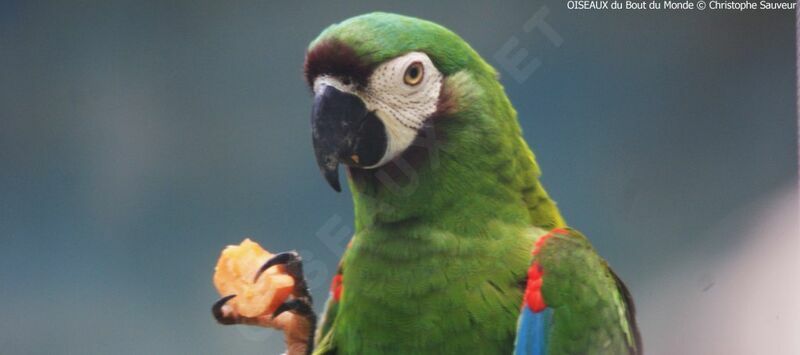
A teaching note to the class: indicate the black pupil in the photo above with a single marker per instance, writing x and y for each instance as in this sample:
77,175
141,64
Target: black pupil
413,72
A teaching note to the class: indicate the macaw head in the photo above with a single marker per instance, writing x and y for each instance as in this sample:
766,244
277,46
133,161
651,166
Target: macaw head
379,79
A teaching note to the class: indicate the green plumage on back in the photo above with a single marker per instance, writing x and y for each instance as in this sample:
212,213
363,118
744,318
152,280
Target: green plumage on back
444,233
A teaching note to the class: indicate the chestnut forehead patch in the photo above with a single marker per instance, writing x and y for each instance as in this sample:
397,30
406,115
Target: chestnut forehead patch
333,57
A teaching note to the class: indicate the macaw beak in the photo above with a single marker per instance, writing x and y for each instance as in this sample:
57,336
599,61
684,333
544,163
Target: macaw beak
344,131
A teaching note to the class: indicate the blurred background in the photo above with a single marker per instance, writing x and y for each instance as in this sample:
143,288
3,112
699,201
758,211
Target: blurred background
137,139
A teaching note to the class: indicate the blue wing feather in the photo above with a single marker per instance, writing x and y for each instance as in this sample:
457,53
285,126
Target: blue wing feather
532,331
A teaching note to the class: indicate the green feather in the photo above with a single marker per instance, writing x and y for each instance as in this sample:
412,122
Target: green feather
442,242
591,314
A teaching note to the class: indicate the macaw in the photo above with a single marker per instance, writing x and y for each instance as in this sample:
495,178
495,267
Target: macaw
458,248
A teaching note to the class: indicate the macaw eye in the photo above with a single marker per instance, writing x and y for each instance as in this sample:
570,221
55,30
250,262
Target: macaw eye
414,74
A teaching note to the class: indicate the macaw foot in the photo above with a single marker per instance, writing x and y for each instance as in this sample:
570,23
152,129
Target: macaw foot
295,317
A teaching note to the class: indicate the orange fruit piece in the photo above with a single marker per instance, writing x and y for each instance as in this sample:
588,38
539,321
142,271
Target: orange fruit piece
234,273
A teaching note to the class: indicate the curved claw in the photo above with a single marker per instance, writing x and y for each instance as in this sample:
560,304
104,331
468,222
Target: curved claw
219,315
277,259
301,308
296,305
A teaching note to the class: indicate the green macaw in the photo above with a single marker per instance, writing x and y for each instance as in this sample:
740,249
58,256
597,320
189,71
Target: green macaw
458,248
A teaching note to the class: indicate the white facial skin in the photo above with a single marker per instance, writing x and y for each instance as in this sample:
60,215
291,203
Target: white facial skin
401,101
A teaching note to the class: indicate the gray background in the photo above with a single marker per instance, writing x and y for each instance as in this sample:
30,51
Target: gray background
139,138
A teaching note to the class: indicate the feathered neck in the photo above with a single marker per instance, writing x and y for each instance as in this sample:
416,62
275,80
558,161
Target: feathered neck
468,165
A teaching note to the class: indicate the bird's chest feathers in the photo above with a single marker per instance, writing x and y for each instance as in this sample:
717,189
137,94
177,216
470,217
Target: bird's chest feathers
423,290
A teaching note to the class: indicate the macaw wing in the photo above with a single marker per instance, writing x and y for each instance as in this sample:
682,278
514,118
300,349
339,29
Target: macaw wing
324,336
574,303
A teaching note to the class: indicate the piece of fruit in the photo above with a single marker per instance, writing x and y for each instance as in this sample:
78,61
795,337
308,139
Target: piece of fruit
234,273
